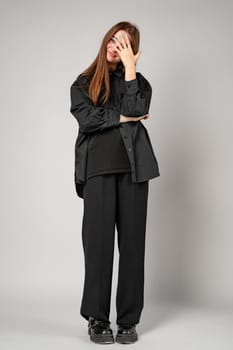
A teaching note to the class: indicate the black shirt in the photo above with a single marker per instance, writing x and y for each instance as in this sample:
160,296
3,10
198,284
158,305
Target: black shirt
133,99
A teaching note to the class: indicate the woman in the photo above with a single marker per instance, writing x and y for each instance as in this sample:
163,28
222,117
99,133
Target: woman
114,161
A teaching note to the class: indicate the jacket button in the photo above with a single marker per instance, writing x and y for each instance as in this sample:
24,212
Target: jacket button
129,149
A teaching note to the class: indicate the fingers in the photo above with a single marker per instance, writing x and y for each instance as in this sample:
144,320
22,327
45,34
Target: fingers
117,45
145,116
125,119
126,38
122,40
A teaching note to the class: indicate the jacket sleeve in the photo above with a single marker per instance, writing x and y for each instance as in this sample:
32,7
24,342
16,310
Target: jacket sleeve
89,117
137,96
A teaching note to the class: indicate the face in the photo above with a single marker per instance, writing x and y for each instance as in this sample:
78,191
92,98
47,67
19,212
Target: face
112,55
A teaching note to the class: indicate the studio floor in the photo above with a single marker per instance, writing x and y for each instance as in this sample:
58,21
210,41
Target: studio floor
40,324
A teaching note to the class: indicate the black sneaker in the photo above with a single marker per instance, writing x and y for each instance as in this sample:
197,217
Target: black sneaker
126,333
100,331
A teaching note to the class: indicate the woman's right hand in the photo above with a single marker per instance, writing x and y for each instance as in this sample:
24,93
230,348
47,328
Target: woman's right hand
125,119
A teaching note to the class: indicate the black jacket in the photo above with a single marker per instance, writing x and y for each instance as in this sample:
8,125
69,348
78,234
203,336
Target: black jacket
130,98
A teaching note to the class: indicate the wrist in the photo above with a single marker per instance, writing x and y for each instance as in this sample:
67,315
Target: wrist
130,72
130,66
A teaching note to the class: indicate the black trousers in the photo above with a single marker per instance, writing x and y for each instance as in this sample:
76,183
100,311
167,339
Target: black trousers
111,199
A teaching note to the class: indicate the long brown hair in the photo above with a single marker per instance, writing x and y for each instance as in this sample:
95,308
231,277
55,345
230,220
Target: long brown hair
98,71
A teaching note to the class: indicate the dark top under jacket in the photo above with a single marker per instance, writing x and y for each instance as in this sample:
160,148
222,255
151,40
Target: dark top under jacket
101,123
106,150
107,154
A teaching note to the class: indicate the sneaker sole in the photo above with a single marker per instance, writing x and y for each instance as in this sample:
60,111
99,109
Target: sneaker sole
126,339
101,339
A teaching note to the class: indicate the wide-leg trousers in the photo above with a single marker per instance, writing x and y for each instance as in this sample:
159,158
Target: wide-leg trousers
109,200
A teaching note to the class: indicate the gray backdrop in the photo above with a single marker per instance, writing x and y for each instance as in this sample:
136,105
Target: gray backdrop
187,57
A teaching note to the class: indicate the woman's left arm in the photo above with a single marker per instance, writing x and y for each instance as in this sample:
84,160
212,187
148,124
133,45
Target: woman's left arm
137,97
